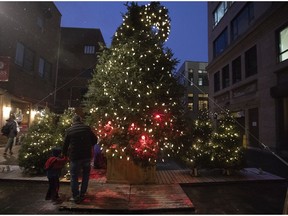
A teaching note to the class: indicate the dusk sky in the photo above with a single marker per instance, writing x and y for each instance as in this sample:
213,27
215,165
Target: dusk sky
188,36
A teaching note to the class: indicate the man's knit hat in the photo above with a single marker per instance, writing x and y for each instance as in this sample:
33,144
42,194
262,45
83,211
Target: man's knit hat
56,151
76,118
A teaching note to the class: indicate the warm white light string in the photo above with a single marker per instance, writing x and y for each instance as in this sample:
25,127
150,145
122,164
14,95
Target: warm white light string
222,109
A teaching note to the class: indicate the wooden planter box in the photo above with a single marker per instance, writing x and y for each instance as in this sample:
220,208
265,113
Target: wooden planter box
126,171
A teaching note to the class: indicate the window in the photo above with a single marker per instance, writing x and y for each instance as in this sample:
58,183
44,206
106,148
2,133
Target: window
89,49
190,101
242,21
203,104
217,81
40,23
41,67
220,43
204,79
283,44
28,60
24,57
19,58
225,77
236,70
203,96
220,11
45,69
190,78
190,106
200,81
251,62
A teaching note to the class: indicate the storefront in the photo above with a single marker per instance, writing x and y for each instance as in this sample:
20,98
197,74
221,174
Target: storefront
10,105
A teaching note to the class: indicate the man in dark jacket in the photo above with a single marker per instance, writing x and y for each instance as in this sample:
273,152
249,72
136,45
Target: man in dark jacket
78,146
11,135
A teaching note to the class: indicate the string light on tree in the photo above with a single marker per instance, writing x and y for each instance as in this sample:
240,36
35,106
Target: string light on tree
141,97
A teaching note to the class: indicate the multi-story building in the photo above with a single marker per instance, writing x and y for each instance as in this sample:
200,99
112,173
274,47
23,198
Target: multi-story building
78,57
29,42
195,79
248,68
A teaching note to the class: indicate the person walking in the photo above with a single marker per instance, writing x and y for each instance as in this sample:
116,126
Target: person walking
78,146
13,130
53,167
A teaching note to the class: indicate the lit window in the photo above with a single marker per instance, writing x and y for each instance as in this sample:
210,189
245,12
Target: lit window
283,44
203,104
89,49
203,95
220,11
200,81
190,106
190,78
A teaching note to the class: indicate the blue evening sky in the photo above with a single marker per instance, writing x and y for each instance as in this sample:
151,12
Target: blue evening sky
188,36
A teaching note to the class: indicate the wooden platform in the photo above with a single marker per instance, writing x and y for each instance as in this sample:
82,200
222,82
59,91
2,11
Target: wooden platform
165,195
184,176
121,198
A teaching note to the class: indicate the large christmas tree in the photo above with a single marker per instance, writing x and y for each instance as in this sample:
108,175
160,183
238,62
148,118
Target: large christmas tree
133,99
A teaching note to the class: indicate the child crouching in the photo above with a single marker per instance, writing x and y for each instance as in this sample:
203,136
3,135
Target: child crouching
53,167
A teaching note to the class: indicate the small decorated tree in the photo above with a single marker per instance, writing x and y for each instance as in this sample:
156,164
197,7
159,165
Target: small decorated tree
227,147
199,153
38,143
46,132
65,121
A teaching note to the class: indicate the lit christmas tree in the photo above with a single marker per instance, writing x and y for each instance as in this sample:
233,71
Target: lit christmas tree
64,122
199,152
133,99
38,143
227,147
46,132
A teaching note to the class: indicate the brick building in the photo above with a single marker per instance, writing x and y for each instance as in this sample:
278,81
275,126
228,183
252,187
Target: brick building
248,68
41,64
29,42
78,57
